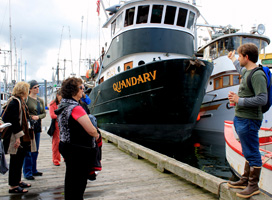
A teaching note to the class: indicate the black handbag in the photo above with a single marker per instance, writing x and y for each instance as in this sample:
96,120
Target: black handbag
38,123
52,128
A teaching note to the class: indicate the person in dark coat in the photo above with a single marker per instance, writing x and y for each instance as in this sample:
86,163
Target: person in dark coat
18,139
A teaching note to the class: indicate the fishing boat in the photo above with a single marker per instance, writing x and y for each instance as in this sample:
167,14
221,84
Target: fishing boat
215,108
236,159
150,85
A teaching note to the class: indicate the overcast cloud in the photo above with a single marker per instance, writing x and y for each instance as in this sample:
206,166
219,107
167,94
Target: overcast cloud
37,28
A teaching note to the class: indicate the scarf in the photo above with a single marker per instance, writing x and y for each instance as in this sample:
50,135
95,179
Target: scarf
64,112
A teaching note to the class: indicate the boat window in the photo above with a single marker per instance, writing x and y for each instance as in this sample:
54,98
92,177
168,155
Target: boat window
263,44
191,20
156,16
182,17
129,16
256,41
170,15
119,22
229,44
113,27
213,51
226,81
236,79
221,47
142,14
217,84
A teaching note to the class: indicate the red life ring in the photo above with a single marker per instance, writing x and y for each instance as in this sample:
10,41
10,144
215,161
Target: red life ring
96,67
89,73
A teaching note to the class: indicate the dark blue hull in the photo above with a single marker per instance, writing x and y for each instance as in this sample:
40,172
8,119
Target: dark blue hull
158,101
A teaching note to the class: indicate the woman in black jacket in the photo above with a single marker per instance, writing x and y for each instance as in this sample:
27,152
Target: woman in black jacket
77,139
18,139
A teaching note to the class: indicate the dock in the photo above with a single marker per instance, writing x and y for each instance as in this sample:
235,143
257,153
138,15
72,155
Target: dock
129,171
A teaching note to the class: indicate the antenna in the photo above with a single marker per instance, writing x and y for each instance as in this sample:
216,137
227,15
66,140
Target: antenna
71,50
80,46
18,67
10,38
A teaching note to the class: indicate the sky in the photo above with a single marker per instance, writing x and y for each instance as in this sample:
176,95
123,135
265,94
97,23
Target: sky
47,32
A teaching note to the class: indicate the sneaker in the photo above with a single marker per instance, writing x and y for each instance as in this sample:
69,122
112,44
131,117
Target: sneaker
38,174
56,164
30,178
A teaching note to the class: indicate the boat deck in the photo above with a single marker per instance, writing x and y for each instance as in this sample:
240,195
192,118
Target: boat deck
123,176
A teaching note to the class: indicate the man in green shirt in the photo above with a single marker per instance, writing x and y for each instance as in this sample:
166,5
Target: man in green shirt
248,117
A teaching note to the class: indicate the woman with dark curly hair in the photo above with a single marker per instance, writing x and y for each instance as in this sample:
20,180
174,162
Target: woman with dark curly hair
77,139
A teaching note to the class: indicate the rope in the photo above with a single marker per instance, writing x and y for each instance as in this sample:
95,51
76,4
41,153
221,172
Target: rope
267,160
219,188
92,107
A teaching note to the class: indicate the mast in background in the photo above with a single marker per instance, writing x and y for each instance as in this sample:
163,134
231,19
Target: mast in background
10,41
80,46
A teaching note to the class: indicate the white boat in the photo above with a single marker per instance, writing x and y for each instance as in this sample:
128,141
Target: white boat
215,107
236,159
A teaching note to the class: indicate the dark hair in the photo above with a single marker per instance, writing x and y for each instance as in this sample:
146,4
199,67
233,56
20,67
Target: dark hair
56,99
69,87
251,50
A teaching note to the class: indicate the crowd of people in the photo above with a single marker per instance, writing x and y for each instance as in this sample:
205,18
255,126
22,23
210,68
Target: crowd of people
74,138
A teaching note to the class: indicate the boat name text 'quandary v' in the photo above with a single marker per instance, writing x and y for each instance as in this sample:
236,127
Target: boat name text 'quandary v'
118,86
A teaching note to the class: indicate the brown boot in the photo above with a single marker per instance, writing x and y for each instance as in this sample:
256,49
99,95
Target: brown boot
252,187
242,183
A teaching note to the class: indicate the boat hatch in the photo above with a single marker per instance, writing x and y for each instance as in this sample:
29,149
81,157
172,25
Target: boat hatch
128,65
101,80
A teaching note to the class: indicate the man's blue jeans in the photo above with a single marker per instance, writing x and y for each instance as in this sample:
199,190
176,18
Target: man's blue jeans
30,162
247,130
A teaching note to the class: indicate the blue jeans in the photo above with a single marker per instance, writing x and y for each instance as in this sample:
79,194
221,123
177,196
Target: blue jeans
30,162
247,130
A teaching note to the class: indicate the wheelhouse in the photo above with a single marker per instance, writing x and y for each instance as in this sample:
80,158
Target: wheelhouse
168,14
224,44
220,47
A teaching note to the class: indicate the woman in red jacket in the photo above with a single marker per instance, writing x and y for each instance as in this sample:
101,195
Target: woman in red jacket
56,138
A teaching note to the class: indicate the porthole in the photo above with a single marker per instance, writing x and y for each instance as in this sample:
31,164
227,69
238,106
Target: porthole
118,68
141,62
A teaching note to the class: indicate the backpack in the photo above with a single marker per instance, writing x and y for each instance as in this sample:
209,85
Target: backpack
268,75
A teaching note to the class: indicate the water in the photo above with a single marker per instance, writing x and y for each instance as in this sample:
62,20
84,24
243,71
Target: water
204,150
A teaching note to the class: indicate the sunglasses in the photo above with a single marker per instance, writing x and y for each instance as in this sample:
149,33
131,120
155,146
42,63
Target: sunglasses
81,87
36,87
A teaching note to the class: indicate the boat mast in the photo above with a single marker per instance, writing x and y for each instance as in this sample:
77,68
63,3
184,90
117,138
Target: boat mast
80,46
10,41
16,66
21,56
72,74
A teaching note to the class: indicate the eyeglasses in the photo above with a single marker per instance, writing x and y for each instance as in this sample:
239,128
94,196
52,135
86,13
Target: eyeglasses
36,87
81,87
